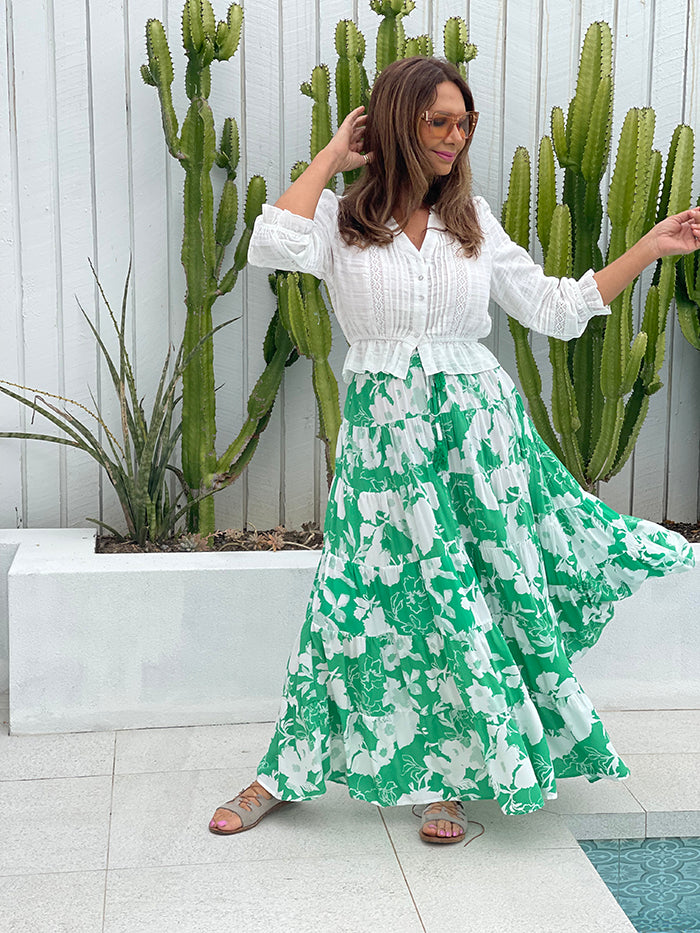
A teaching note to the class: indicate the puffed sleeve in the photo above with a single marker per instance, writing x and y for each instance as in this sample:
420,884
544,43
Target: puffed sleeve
283,240
554,307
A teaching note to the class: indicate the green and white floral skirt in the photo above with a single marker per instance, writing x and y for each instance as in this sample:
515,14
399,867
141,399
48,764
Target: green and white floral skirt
462,569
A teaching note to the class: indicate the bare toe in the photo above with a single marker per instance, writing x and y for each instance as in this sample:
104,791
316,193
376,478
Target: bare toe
225,821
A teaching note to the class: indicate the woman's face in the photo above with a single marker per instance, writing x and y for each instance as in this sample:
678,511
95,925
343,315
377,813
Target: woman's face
444,150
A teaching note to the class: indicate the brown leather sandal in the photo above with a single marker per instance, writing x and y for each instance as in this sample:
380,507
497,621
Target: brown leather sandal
249,817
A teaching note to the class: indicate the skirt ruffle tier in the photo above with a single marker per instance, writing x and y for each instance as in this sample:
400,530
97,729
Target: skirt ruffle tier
463,568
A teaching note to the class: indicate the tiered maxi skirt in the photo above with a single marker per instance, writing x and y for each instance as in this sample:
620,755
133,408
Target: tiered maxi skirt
462,569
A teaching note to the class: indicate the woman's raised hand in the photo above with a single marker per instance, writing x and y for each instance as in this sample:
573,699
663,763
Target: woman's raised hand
677,234
347,143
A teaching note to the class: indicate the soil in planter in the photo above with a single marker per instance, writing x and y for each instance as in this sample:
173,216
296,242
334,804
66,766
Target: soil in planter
310,538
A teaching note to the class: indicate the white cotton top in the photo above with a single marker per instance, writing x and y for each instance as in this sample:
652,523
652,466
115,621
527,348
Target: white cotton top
393,300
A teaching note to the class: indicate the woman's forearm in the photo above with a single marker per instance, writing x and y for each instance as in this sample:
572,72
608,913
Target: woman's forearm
302,196
615,277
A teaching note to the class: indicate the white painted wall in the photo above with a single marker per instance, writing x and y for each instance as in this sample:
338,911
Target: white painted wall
84,172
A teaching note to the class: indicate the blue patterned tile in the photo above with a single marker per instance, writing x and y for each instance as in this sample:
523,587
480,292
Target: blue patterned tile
604,855
655,881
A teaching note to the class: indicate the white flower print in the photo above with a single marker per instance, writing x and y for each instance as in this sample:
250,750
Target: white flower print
432,589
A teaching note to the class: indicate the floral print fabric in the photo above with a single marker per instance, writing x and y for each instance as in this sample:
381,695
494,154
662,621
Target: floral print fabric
462,569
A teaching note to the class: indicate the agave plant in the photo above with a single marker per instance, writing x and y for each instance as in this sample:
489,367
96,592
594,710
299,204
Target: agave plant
138,466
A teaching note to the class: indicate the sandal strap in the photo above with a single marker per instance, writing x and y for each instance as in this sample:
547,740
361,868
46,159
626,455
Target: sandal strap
455,814
247,815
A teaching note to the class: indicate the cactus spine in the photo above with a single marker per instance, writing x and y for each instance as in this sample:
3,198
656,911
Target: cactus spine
206,236
602,380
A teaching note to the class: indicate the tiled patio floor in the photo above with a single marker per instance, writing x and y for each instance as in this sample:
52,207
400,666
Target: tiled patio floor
108,832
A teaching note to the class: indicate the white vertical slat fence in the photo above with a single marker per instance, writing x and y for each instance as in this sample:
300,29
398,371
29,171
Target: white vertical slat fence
84,173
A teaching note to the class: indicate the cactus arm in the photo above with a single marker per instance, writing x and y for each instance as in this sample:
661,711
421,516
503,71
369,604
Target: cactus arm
597,144
229,149
546,192
351,83
228,34
564,412
318,89
688,297
582,372
635,412
595,64
391,36
226,220
559,137
159,73
516,208
326,390
418,45
458,49
260,404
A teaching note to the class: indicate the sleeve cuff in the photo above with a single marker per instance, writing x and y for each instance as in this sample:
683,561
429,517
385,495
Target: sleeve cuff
591,295
280,217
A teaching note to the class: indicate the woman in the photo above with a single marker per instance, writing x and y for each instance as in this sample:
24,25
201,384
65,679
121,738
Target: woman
462,564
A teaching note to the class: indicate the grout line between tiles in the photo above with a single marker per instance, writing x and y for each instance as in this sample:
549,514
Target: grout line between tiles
398,862
109,833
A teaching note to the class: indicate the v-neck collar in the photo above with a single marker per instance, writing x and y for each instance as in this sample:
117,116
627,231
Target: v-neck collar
402,237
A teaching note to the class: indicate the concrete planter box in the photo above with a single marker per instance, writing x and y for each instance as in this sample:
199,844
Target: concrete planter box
121,641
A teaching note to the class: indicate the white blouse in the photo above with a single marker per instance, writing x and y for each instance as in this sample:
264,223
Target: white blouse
391,301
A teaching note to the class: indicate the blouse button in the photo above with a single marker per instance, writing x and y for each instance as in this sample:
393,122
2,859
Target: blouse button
420,278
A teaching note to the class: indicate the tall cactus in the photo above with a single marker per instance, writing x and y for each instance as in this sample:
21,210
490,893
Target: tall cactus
206,236
602,380
458,49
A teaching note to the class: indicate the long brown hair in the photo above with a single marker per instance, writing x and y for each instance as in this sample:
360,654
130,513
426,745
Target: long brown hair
400,168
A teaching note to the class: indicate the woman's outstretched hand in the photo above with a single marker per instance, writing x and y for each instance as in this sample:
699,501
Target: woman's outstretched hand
346,145
677,234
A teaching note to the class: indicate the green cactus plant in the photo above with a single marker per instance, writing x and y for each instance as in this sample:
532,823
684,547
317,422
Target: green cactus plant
206,236
458,48
603,379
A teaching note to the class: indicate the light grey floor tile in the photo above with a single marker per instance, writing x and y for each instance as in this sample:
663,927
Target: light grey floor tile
550,891
283,896
602,810
54,825
79,754
197,748
665,782
72,902
162,819
654,732
673,823
579,795
501,833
